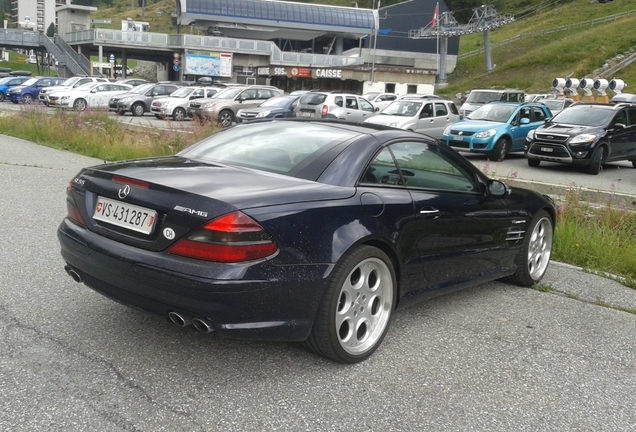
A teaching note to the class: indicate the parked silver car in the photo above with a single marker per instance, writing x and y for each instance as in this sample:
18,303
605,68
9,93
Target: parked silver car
335,105
222,108
176,104
419,115
138,100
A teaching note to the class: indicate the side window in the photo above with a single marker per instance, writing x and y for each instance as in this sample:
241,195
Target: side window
427,111
440,110
539,114
351,102
196,94
102,88
428,167
632,116
338,101
524,113
391,97
453,108
382,170
620,117
366,105
248,95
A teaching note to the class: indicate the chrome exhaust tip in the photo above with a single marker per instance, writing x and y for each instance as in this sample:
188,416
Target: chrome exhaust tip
202,325
182,320
72,273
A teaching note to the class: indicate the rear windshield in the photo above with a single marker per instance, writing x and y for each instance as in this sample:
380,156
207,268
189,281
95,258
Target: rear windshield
282,147
483,96
312,98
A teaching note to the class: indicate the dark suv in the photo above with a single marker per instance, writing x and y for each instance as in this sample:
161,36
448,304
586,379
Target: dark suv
586,134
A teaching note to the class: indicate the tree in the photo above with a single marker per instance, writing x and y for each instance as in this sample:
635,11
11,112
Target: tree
50,32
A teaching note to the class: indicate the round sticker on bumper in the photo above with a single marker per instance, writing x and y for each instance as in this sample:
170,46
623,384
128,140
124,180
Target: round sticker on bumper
168,233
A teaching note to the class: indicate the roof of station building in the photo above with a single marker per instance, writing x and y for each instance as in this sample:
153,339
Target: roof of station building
288,18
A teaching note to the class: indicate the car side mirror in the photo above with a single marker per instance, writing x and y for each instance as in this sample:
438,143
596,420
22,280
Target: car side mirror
94,91
524,121
498,189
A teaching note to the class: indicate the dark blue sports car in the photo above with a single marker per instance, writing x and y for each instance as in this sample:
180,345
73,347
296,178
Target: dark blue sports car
300,231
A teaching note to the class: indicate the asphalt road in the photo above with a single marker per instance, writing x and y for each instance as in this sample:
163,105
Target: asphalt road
492,358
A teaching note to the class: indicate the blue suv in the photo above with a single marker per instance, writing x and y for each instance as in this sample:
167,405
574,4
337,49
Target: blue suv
29,90
8,83
496,129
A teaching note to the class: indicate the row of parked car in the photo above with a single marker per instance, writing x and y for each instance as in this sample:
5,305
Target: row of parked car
547,129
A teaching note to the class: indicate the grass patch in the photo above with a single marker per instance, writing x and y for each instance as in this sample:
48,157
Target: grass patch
596,236
542,287
97,134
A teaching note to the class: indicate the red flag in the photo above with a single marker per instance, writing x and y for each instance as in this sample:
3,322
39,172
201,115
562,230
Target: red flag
434,22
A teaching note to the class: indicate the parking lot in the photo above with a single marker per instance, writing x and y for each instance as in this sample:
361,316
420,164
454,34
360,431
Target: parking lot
495,357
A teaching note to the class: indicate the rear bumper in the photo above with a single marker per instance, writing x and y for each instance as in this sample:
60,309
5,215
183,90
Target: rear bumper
257,300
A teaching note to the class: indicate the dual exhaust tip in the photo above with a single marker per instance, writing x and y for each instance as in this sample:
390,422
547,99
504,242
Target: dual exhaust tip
183,320
180,319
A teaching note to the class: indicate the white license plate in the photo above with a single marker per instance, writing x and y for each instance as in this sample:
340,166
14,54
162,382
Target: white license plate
458,138
547,149
125,215
306,114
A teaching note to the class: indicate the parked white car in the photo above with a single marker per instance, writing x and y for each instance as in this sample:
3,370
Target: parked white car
176,104
92,95
70,83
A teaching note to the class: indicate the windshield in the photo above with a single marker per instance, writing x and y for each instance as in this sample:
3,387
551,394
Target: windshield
69,82
86,86
493,112
141,89
402,108
584,116
278,147
279,101
30,82
483,96
554,104
183,92
5,80
229,93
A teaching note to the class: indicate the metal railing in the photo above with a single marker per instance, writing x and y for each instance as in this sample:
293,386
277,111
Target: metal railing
195,42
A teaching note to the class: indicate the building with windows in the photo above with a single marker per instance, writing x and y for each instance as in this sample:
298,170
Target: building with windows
34,14
329,47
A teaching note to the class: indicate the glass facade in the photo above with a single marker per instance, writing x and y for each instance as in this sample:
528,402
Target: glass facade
283,11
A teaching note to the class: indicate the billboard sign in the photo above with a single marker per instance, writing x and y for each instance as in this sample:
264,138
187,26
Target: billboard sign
208,64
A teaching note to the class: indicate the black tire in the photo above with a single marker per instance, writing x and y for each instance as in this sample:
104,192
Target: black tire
501,149
179,114
357,307
534,257
634,163
79,105
27,99
1,96
120,112
226,118
138,109
596,161
534,162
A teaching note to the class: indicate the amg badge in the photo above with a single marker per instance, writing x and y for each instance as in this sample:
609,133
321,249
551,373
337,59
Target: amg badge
191,211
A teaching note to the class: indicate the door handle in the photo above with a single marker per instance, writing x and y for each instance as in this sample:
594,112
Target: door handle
429,211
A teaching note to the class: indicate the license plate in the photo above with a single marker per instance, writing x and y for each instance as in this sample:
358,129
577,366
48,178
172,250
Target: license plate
547,149
306,114
458,138
125,215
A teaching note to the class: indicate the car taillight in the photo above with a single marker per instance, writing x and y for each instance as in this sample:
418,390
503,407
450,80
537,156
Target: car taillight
233,237
71,208
325,110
